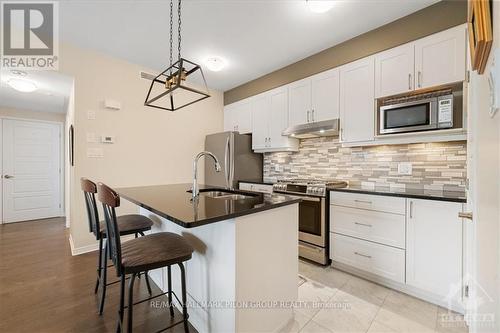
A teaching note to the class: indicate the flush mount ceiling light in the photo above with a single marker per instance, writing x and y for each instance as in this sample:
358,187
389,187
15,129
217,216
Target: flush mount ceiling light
173,88
22,85
320,6
215,64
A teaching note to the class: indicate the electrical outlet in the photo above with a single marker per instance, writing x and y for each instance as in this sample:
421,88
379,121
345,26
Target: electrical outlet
405,168
278,168
91,115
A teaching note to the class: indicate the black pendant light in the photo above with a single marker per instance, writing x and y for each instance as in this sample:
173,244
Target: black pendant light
181,84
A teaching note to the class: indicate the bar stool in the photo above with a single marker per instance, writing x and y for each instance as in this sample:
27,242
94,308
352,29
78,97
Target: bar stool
142,254
133,224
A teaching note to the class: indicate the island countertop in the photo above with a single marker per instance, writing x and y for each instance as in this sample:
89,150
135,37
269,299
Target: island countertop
174,203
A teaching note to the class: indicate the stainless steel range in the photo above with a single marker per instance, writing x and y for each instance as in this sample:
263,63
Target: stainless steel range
312,215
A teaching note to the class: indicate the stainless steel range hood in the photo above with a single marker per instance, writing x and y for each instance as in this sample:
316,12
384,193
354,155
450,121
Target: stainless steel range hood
314,130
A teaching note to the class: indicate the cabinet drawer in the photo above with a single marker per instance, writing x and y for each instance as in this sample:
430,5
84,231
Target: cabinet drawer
385,228
372,202
384,261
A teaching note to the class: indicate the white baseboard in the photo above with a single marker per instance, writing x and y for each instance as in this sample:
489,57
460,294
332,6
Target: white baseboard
83,249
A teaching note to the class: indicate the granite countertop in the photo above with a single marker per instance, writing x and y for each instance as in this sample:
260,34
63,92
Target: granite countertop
174,203
453,196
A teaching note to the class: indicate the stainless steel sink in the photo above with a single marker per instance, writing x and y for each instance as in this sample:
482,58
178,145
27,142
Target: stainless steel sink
226,195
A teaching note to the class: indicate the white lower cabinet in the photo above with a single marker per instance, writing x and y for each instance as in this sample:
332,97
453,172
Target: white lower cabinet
434,247
384,261
380,227
414,242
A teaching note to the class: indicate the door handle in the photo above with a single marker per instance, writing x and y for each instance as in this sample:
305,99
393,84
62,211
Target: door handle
465,215
419,78
409,81
362,255
226,162
8,176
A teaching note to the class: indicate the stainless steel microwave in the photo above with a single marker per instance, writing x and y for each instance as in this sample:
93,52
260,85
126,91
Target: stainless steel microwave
429,111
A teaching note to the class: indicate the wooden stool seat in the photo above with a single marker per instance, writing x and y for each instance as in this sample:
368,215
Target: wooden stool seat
154,251
129,224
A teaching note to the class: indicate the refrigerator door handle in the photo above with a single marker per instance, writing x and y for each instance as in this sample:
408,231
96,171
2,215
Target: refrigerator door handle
226,162
231,165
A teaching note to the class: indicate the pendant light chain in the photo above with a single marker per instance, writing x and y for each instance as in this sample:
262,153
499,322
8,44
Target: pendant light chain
179,29
171,33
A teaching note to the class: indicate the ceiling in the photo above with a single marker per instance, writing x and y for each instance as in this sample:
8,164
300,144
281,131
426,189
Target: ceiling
255,37
52,94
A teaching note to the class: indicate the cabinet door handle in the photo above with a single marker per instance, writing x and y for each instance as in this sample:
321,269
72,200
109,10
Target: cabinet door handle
409,81
362,255
464,215
8,176
363,224
419,79
411,209
363,201
308,115
312,115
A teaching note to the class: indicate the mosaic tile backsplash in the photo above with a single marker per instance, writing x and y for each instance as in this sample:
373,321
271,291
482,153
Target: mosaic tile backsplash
436,166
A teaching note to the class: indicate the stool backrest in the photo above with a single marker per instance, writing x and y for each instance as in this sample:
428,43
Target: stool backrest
89,189
110,200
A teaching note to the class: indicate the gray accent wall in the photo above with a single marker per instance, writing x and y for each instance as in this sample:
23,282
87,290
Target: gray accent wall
436,166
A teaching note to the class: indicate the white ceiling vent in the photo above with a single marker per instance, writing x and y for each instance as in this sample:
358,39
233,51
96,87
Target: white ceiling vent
147,76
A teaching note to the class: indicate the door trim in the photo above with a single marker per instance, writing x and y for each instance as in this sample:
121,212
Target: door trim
62,160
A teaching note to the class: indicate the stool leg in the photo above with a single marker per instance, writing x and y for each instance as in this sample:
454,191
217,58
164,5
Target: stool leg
103,280
130,303
147,283
122,304
170,305
184,298
99,261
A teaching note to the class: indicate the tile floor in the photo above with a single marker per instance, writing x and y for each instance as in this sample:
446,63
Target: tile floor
351,304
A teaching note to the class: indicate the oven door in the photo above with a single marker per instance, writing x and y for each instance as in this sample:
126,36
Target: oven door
412,116
312,224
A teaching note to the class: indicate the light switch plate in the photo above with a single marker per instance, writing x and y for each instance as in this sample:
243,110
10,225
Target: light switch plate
107,139
405,168
91,115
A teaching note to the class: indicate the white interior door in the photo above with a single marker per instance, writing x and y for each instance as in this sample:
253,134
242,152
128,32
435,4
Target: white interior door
31,170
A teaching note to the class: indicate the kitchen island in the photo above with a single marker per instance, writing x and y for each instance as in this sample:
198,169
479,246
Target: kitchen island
243,274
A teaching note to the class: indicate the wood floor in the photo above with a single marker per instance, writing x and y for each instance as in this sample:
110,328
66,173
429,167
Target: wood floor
45,289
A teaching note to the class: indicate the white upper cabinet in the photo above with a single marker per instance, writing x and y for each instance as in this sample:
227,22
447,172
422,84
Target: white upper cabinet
434,247
260,121
440,58
270,119
299,102
394,71
325,95
314,99
238,117
357,100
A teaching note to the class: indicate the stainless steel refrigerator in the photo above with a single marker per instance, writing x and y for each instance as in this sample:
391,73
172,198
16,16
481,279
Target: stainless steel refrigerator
238,161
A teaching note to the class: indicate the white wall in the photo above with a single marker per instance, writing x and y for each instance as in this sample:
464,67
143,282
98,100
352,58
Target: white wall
152,146
486,187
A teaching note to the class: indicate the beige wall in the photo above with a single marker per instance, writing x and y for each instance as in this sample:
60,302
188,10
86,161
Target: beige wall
152,146
438,17
32,115
485,188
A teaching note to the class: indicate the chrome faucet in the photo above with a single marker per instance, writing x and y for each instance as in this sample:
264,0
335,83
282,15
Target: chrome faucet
195,189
